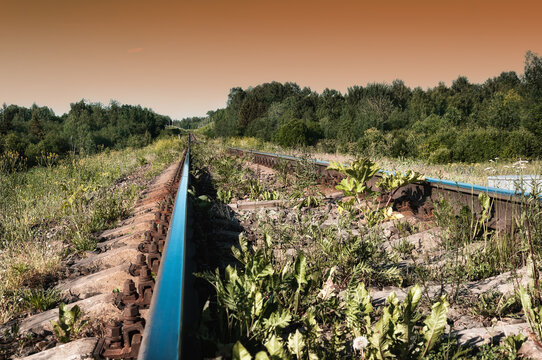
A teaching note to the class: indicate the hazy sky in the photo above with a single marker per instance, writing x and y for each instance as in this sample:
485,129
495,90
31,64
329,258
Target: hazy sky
180,58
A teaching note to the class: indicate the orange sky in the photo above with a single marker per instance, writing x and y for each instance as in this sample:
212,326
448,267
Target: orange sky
181,57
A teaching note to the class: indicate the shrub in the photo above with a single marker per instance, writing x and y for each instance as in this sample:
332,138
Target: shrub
293,133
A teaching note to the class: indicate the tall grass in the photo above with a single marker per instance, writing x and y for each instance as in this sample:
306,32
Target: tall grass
49,212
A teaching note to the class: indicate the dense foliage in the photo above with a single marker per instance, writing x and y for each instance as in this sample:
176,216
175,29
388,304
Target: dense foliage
464,122
192,122
31,133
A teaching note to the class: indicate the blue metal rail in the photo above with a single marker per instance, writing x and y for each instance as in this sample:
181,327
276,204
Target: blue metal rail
163,332
432,181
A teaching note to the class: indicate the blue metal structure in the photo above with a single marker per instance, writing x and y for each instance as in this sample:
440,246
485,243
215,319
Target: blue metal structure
432,181
163,332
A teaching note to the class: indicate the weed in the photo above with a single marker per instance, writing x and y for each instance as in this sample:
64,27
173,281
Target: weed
495,304
270,195
69,323
224,196
40,299
391,182
506,350
356,184
12,161
256,189
282,169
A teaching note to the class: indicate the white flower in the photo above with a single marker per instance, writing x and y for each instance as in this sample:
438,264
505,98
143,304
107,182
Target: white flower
360,343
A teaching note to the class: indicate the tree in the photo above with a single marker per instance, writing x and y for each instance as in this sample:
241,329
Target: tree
533,74
35,126
5,121
293,133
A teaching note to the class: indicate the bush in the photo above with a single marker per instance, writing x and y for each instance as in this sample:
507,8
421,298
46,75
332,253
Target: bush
293,133
440,156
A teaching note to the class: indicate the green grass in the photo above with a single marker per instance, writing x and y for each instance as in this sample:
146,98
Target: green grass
47,213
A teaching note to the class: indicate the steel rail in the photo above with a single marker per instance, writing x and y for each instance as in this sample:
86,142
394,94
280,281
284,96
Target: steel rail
162,338
507,204
461,185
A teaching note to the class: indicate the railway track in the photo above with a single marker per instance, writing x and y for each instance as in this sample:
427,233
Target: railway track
165,249
154,307
506,204
159,268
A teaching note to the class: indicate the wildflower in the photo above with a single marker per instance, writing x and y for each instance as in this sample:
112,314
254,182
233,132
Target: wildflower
360,343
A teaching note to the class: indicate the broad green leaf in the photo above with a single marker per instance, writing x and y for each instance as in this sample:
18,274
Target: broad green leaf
274,347
435,324
268,240
240,353
527,308
380,336
412,300
296,344
301,270
278,320
262,355
484,200
258,304
231,274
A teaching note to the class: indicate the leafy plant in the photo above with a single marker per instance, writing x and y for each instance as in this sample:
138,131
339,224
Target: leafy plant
201,201
309,201
356,184
358,174
493,303
243,294
270,195
256,189
282,168
391,182
480,225
224,196
69,323
399,332
506,350
533,314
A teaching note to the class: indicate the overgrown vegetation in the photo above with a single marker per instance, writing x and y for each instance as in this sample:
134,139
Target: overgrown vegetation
308,282
36,136
462,123
53,212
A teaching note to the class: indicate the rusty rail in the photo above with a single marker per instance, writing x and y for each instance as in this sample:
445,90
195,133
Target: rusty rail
161,253
506,204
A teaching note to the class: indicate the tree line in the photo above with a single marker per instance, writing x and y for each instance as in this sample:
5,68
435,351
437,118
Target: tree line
465,122
85,129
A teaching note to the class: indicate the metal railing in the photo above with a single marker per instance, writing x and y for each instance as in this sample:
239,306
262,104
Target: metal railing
506,204
460,185
162,338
